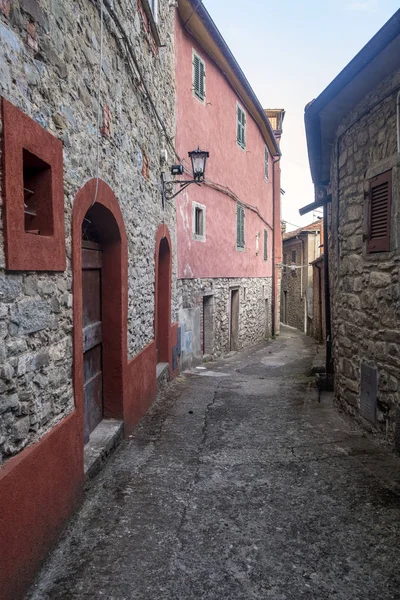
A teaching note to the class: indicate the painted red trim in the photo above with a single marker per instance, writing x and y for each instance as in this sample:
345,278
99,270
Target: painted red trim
26,251
163,286
142,386
39,490
108,220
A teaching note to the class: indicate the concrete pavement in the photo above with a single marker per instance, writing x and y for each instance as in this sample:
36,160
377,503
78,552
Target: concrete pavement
238,484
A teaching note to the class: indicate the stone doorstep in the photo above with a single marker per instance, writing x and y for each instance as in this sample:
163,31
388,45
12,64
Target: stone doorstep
162,373
103,441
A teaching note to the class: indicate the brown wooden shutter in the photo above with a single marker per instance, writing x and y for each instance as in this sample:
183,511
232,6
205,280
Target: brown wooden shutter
380,199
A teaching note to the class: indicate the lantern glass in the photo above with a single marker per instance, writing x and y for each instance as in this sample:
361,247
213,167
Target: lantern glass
198,158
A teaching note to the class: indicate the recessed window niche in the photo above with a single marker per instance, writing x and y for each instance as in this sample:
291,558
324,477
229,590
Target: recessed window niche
33,194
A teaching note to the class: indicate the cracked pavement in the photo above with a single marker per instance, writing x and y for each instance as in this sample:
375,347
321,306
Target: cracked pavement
238,484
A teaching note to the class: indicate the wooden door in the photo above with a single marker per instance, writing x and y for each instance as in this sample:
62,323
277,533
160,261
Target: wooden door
234,320
92,336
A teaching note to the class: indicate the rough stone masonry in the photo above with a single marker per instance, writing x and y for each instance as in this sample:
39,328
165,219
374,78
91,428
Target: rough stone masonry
49,62
365,287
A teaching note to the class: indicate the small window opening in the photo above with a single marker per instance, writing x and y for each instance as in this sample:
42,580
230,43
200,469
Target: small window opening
198,220
37,195
293,256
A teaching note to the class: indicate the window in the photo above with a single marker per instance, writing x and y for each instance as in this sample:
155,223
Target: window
266,160
293,256
380,199
33,194
199,222
239,226
284,262
199,74
241,127
265,244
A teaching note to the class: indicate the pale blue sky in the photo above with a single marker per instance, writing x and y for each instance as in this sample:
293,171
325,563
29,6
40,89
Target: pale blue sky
289,52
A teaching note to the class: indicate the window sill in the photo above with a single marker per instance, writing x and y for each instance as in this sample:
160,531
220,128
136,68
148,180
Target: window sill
152,22
199,238
240,248
240,146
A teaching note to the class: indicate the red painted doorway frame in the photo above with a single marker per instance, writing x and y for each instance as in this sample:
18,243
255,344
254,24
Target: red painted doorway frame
108,220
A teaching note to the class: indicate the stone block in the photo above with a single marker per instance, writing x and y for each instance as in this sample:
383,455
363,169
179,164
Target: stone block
31,315
8,402
379,279
10,287
34,10
21,429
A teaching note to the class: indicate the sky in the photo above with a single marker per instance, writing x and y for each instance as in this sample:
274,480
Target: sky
290,51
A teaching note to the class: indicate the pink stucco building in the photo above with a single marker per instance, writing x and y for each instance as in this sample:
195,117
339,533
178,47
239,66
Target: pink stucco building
228,229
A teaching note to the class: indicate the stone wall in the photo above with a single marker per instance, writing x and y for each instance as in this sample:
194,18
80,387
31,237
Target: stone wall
365,289
292,288
49,58
253,327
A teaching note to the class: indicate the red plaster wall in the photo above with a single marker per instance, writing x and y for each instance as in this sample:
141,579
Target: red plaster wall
213,128
39,490
142,386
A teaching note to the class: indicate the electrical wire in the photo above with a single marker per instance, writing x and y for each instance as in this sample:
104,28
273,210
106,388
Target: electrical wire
99,104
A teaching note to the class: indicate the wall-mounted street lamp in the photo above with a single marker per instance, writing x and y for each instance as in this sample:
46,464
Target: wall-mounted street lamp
199,160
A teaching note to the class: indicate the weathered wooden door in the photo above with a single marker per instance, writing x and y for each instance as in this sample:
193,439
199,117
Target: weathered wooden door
234,320
92,336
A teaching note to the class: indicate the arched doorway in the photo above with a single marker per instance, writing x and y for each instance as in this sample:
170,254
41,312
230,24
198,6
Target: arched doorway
163,294
99,257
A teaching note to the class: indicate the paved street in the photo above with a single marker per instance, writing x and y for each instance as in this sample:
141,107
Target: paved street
239,484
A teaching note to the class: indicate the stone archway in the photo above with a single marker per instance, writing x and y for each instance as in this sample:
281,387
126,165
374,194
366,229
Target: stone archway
106,220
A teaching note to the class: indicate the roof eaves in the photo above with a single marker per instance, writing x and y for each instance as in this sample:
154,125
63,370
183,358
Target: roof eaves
381,39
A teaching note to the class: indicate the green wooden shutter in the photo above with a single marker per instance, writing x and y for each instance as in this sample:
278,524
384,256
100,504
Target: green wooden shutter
196,75
242,227
238,119
265,244
201,80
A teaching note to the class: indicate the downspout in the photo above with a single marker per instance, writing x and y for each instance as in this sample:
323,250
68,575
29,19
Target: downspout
398,120
320,336
275,160
328,333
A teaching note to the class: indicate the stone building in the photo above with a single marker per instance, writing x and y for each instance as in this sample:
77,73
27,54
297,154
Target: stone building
228,230
353,136
88,298
299,249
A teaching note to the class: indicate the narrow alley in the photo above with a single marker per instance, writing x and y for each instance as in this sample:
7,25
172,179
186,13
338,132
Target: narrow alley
237,484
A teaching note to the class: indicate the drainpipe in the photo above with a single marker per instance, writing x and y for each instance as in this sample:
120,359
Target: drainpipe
320,336
398,120
276,231
329,365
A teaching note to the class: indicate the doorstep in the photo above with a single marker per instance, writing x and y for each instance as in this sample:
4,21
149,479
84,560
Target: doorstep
162,374
103,441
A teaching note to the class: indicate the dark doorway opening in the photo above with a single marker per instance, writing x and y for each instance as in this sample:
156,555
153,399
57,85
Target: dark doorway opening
234,321
266,319
208,326
163,293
